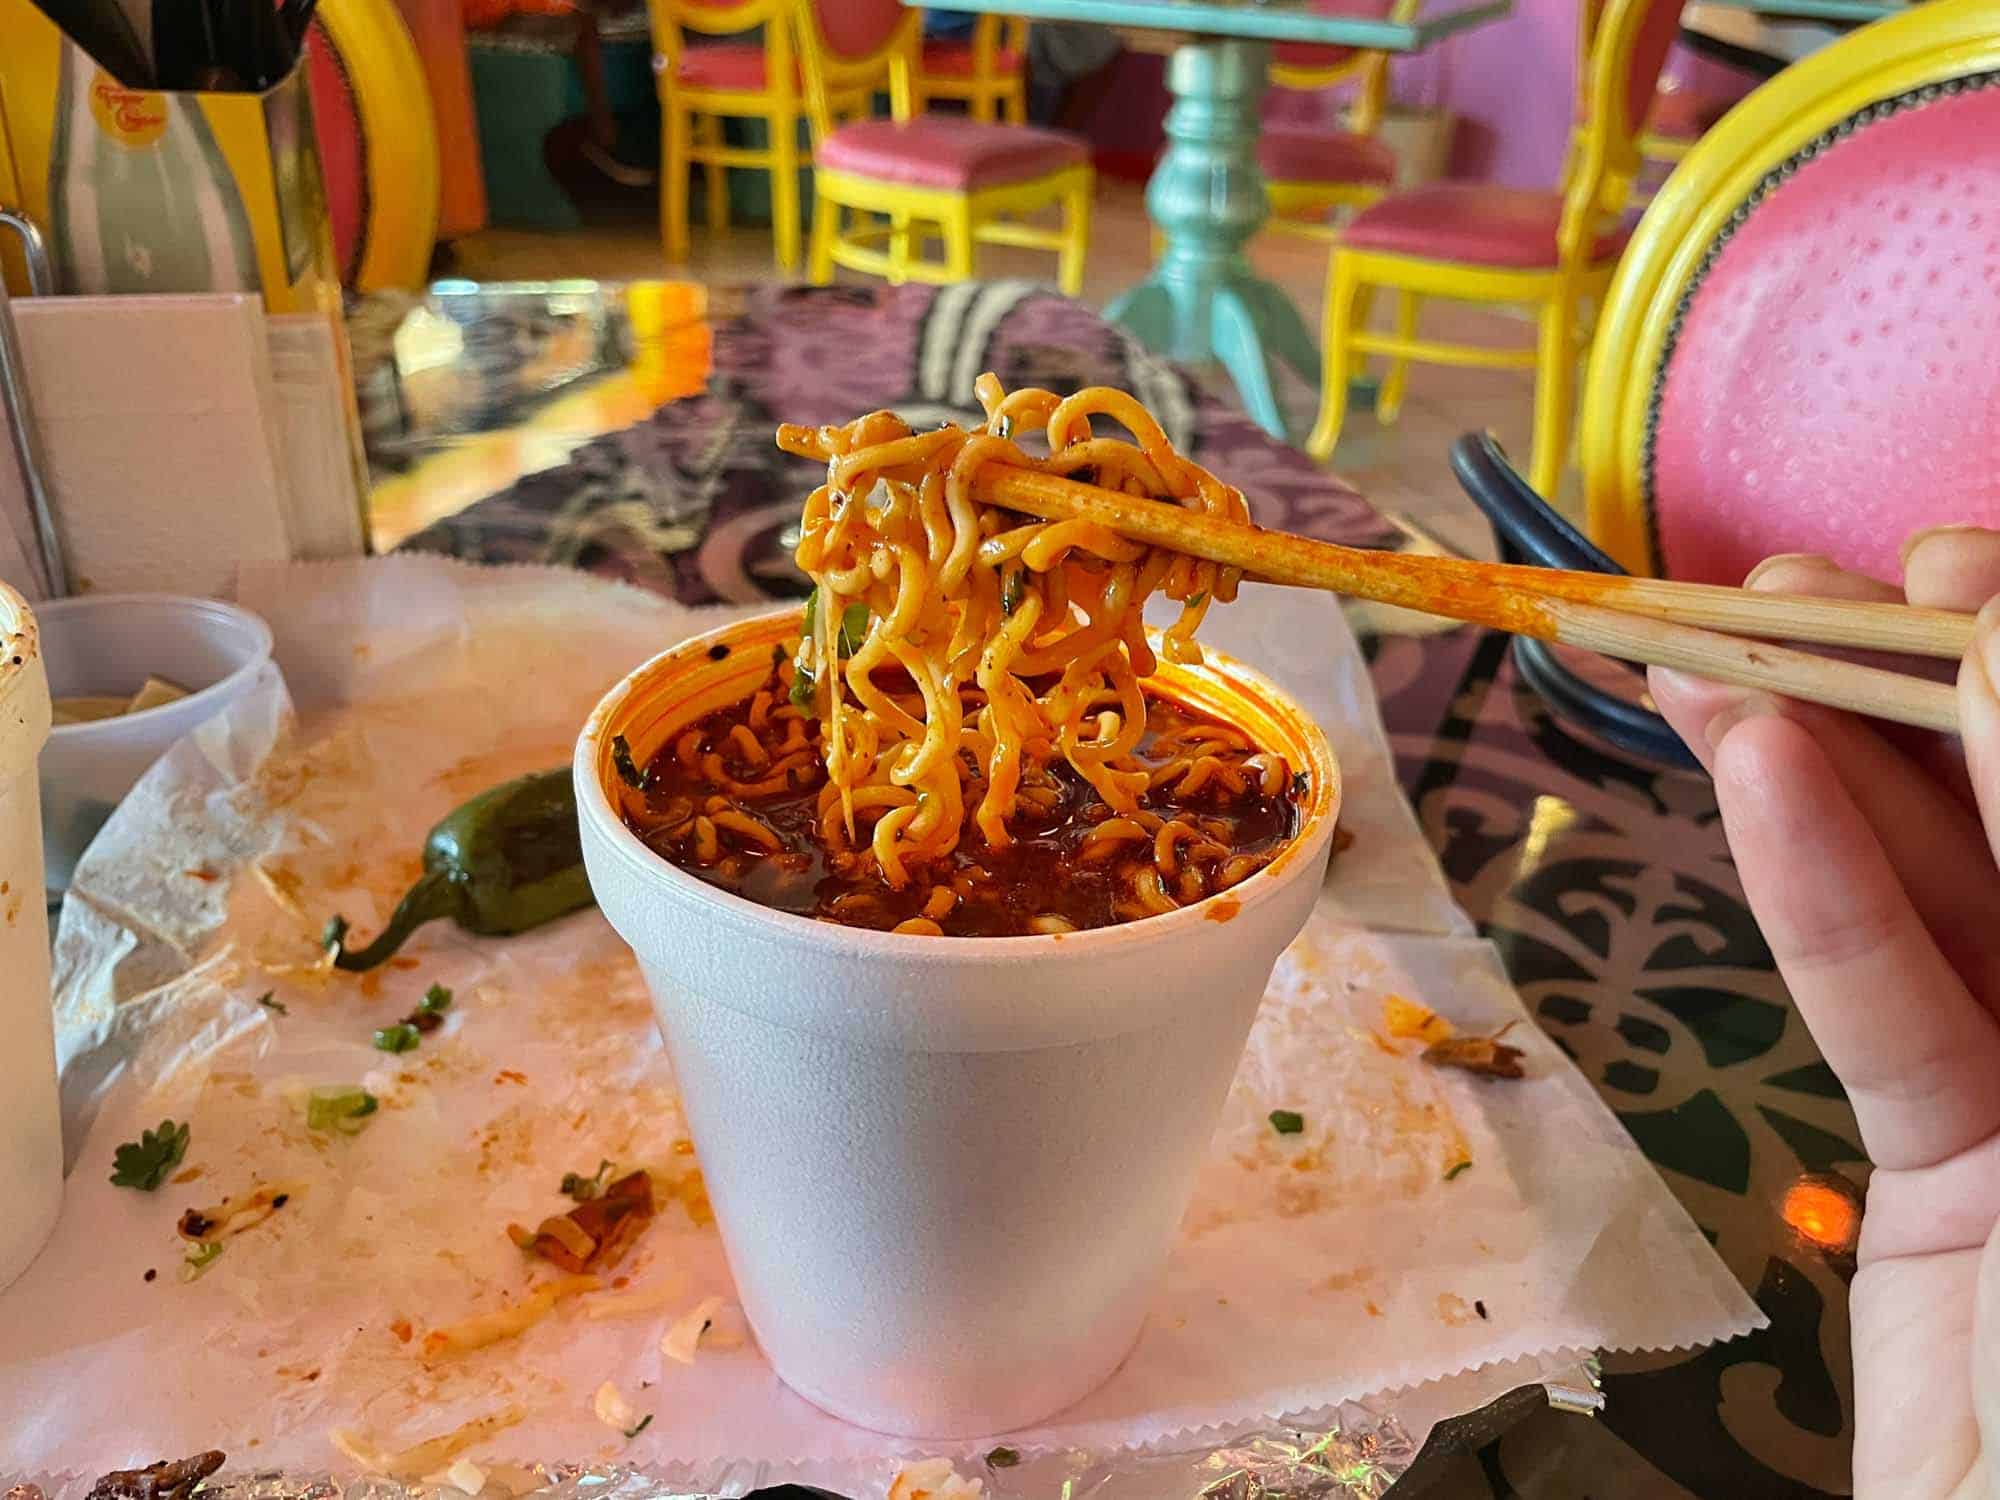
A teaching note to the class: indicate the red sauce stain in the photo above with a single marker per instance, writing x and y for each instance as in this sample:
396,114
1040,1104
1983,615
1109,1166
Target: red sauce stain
1224,909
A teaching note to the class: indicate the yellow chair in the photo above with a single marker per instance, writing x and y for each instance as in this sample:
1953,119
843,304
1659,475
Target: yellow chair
701,87
1796,352
990,72
1310,171
1553,251
902,179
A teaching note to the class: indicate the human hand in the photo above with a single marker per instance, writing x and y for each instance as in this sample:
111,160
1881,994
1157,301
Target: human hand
1868,856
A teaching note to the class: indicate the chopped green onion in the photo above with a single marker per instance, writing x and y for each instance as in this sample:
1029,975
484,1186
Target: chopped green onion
1197,599
811,613
627,768
581,1188
334,933
1012,587
437,999
341,1107
199,1258
1287,1122
398,1038
1456,1168
802,689
853,628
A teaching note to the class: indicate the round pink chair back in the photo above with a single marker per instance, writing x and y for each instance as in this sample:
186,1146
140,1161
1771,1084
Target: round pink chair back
1321,55
857,28
1829,382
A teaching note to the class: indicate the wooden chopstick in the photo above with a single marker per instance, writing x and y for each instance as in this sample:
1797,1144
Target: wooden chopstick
1646,620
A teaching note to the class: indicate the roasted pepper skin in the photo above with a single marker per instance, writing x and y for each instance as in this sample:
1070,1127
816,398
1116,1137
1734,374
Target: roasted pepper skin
508,860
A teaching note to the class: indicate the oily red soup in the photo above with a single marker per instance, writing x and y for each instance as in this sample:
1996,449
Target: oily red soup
740,800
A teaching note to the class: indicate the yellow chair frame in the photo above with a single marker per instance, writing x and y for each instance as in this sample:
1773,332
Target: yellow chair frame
989,94
1301,208
1597,183
891,249
691,121
1931,44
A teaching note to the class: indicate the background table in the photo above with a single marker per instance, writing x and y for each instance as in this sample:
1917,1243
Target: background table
1604,882
1202,300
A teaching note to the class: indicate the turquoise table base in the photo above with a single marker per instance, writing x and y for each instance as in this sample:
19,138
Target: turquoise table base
1207,197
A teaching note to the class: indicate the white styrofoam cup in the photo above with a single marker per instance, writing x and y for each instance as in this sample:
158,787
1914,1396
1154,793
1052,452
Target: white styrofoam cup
30,1119
947,1171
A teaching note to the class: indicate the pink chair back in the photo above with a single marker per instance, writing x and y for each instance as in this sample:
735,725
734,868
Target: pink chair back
854,29
1831,384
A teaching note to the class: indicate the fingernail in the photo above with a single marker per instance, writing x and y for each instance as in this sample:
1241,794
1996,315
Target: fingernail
1916,539
1986,639
1818,561
1749,706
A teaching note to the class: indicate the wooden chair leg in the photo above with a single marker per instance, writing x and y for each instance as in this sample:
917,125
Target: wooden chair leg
825,227
1389,400
1342,288
674,127
785,190
708,135
1555,382
1076,239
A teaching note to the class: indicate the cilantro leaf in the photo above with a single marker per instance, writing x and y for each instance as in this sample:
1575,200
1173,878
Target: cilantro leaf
145,1163
1002,1458
1287,1121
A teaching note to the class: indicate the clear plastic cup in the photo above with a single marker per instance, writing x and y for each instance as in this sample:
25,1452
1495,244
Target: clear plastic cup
947,1171
30,1119
108,645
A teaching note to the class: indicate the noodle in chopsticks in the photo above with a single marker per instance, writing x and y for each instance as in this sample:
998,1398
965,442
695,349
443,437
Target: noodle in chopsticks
1023,638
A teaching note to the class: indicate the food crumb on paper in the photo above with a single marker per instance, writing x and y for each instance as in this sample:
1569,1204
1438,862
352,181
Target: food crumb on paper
935,1479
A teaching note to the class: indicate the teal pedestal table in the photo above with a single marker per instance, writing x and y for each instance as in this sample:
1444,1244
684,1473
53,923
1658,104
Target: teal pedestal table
1202,301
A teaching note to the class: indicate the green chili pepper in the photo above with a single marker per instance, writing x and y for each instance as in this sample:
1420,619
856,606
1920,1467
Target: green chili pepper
508,860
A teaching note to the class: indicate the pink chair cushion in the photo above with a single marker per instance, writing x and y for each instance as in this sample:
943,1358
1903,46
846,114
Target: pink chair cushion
955,60
725,65
948,151
1299,153
1462,221
1833,385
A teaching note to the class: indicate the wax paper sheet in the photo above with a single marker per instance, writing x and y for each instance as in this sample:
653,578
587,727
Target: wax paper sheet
1313,1268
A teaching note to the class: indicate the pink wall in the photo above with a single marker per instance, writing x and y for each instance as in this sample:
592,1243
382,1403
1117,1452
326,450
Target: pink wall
1510,84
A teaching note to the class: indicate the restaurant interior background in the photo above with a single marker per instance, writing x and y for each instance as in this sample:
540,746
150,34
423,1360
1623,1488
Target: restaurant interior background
532,281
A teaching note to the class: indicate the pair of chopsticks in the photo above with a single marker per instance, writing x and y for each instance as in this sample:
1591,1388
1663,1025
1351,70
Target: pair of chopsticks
1697,628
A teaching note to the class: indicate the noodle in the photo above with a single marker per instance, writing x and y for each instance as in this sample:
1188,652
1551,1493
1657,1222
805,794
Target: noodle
962,741
1044,617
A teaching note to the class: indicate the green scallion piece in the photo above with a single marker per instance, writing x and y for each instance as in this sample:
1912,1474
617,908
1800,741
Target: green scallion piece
626,767
1287,1121
341,1107
401,1037
437,1000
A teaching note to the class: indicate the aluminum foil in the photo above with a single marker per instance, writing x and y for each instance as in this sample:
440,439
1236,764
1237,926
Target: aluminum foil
1352,1453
